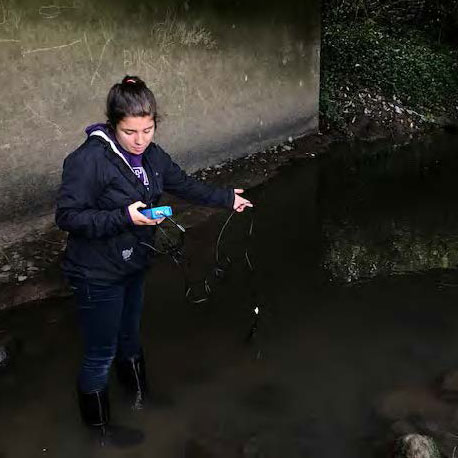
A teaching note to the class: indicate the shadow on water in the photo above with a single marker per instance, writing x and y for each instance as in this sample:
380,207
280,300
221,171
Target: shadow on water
312,380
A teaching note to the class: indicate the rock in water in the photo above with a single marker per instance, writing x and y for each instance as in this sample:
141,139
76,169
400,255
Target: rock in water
8,350
4,356
416,446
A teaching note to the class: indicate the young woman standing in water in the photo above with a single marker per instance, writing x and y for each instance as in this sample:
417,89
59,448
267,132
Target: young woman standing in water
105,182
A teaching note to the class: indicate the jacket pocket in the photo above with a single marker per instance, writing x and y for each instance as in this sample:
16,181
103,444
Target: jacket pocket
128,253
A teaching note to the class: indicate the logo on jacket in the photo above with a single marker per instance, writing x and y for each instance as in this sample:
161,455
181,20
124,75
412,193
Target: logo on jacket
126,254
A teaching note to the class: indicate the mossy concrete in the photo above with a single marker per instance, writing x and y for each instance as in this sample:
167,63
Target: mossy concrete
230,78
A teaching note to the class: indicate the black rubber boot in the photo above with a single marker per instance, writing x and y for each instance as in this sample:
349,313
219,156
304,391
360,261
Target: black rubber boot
95,413
131,374
94,408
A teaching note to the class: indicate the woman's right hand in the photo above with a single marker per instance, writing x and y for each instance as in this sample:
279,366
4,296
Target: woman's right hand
138,218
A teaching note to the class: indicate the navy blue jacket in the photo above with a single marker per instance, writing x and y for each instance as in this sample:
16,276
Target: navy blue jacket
97,186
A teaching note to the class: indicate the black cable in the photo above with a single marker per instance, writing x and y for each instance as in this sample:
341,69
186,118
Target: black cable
176,253
256,303
219,270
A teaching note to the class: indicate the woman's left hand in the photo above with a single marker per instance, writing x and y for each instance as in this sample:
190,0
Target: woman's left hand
239,202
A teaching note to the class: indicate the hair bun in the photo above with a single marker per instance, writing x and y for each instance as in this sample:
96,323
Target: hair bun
131,80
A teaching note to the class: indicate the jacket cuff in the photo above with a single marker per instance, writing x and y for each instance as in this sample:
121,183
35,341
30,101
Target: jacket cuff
231,198
127,215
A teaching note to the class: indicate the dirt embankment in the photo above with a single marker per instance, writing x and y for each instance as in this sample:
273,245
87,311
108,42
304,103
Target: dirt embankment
370,116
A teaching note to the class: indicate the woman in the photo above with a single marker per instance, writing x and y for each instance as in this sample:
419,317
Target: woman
117,171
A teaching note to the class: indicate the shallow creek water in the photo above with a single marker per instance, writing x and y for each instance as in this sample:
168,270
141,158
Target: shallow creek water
354,260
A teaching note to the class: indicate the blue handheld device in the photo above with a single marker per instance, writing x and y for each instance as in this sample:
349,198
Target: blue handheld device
157,212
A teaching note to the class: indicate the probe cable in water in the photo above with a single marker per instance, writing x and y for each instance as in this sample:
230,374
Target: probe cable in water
171,248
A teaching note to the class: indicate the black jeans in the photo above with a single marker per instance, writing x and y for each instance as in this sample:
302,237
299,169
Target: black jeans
109,318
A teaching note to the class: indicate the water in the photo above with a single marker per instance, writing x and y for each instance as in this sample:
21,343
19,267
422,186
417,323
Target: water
354,260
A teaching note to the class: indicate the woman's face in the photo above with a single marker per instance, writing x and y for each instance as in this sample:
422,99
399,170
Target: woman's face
135,133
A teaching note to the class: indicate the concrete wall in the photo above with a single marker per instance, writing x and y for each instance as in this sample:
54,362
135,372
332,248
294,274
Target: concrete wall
229,77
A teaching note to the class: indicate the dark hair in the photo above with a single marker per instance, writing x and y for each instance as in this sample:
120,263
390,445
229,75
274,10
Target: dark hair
131,97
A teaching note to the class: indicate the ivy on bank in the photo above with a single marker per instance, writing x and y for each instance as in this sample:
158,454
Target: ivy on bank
403,64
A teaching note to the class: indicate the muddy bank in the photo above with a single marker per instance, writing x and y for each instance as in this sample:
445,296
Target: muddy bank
370,116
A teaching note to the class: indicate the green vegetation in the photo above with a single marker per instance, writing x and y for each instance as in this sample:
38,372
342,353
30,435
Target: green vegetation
395,51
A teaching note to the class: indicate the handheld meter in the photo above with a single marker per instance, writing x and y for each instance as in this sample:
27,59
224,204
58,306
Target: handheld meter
157,212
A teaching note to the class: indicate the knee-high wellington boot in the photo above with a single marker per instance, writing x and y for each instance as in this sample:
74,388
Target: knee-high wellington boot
95,413
131,374
94,408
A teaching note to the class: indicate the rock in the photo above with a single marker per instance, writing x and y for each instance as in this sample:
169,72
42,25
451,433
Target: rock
416,446
22,278
8,348
6,268
4,357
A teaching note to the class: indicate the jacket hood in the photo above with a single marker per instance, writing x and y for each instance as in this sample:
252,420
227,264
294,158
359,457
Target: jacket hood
98,126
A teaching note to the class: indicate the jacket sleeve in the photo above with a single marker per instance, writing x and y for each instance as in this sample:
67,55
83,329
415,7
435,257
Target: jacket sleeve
77,210
177,182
